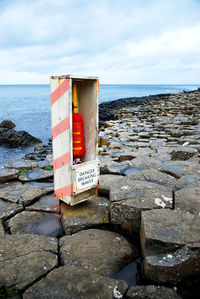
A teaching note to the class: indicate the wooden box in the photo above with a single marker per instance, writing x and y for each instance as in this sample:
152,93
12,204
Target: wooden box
74,183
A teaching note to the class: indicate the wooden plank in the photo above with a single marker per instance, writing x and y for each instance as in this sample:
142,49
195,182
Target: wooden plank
84,196
76,77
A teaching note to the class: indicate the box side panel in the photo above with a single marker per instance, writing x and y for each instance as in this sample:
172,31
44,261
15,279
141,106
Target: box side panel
61,117
88,105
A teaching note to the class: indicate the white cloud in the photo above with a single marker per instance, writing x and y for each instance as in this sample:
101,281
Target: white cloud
120,41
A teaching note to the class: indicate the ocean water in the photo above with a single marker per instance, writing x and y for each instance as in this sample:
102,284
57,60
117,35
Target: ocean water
28,106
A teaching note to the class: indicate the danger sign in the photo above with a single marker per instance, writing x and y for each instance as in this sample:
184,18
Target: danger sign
86,178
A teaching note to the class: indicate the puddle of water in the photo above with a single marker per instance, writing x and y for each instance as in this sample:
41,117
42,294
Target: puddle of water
130,169
49,225
132,273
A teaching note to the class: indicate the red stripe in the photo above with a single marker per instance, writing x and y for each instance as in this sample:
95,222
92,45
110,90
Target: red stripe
61,161
61,127
62,192
60,90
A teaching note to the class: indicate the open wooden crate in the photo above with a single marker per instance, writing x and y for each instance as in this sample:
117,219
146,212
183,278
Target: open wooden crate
74,183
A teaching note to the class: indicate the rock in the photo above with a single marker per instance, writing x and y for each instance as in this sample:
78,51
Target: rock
71,282
154,176
97,251
1,228
85,215
25,194
151,292
21,164
7,124
178,169
188,199
25,259
170,245
183,153
36,175
12,138
106,181
39,223
127,156
47,203
7,174
129,198
187,180
8,209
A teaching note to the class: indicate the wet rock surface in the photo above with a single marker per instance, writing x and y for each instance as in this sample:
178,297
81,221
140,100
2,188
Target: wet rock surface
98,251
149,151
39,223
85,215
74,282
171,251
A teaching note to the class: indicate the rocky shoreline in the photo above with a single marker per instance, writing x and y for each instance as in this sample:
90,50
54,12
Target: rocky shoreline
148,209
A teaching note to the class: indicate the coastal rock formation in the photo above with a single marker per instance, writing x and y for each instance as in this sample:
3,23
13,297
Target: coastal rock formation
11,138
149,151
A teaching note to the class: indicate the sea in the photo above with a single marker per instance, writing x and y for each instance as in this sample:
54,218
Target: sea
28,106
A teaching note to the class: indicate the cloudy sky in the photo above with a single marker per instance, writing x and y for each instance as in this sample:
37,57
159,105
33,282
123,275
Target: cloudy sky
121,41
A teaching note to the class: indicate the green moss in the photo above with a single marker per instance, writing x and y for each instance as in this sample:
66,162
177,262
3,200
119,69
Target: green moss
49,167
12,292
1,220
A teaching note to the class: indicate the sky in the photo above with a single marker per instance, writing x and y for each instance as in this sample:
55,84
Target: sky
120,41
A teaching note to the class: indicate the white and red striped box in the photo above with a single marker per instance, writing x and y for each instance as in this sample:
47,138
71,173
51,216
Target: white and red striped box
74,183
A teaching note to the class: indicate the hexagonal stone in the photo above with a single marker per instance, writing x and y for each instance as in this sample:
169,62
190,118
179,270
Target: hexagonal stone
8,209
47,203
21,164
151,292
188,199
170,245
84,215
25,258
7,174
36,174
73,282
180,168
98,251
18,193
187,180
129,198
106,181
183,153
154,176
39,223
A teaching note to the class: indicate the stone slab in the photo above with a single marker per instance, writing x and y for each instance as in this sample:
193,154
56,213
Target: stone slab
151,292
98,251
8,209
25,194
39,223
71,282
129,198
7,174
84,215
170,245
47,203
25,258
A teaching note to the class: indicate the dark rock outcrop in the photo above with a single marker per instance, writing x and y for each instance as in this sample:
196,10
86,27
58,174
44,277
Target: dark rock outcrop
12,138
